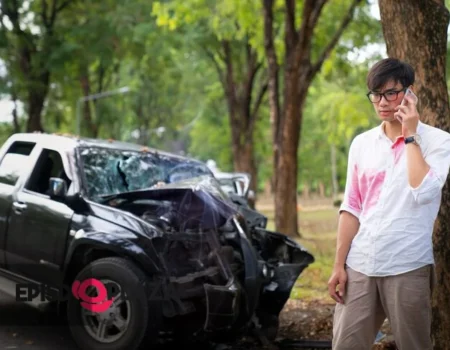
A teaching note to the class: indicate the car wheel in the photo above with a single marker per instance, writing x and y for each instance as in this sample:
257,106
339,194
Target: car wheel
123,324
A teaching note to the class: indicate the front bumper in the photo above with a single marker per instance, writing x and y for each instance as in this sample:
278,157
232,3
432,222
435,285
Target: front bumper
229,293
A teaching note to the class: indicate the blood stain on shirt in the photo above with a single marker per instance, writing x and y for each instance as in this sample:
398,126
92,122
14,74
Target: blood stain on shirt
371,183
398,148
366,188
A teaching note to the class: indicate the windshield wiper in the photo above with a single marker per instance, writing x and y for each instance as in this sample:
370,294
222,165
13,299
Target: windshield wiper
108,197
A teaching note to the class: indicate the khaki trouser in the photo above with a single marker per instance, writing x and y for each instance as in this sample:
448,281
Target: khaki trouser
404,299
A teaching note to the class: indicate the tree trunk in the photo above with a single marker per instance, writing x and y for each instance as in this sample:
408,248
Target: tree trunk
14,113
322,190
416,31
32,52
243,146
273,82
299,72
37,94
286,218
334,180
86,106
244,161
306,191
242,109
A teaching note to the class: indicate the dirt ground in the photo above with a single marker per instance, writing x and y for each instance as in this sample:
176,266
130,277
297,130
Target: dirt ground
309,312
310,320
313,320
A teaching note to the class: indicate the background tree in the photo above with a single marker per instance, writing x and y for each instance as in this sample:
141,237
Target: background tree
221,32
30,47
302,62
337,110
416,31
173,63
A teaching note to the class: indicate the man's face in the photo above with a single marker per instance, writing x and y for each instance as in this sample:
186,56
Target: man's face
385,105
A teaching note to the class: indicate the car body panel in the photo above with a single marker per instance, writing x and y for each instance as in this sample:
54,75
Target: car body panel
210,260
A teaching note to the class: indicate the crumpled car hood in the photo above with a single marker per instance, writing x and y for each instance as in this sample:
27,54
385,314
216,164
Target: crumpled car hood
190,204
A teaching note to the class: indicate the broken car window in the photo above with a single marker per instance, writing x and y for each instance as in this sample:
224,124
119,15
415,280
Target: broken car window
111,171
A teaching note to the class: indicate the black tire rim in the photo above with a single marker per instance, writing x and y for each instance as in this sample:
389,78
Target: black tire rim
111,325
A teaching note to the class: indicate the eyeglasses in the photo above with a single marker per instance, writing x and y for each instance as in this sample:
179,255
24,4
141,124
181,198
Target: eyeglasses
390,95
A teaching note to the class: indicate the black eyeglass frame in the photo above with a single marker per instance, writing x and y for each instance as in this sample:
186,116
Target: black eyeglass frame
381,95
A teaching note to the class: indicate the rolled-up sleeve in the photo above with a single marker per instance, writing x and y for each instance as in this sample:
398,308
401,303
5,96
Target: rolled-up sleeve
431,186
352,202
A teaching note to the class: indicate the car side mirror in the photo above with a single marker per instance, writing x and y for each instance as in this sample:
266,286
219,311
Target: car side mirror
57,187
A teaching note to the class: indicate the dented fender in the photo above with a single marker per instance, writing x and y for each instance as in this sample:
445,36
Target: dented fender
105,241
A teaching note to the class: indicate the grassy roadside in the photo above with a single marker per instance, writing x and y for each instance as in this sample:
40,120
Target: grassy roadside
318,229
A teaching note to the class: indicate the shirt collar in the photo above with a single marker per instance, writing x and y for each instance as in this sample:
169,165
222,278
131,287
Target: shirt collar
382,134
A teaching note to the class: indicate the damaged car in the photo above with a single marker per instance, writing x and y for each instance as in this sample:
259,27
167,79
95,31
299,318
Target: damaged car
148,243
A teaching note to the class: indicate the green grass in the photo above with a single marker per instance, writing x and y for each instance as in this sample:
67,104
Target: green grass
318,229
312,283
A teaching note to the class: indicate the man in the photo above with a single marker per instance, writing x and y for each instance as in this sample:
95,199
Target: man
384,258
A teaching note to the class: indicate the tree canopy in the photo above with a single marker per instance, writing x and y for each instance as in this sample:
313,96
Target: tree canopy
170,56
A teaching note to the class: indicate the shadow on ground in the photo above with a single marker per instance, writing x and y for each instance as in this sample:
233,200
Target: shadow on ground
23,327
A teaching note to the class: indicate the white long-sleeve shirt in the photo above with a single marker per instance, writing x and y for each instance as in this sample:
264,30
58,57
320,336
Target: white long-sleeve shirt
396,220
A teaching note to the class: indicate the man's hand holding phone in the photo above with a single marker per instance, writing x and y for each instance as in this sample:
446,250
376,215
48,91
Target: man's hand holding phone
407,113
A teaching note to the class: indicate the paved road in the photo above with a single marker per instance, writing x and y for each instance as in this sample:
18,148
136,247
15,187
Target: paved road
24,328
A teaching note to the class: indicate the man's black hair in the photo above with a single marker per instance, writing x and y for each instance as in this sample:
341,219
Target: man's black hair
390,69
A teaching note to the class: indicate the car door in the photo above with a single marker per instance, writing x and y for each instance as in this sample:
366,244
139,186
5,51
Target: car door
39,225
15,162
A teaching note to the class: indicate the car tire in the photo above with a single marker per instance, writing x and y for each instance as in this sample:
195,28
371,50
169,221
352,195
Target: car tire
142,320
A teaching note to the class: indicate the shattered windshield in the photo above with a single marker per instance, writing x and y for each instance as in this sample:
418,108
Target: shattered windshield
112,171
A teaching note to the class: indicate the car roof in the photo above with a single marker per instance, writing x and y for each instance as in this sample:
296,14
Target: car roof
67,142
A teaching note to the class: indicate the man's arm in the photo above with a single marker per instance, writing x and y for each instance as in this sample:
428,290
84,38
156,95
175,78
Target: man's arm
347,229
416,164
427,175
348,225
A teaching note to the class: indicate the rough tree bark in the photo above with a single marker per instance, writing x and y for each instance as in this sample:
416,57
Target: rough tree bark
243,102
286,118
416,31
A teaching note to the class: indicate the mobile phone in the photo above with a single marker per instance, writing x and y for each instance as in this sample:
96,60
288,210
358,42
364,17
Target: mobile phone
411,94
